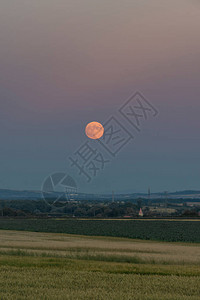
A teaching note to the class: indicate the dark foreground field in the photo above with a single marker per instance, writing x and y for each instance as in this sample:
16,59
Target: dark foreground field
160,230
60,266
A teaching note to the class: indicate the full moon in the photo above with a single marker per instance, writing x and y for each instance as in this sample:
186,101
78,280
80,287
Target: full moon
94,130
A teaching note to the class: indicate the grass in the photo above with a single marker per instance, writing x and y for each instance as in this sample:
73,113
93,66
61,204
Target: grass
60,266
53,278
57,283
81,254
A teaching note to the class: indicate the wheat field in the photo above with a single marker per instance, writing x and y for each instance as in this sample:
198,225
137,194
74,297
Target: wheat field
60,266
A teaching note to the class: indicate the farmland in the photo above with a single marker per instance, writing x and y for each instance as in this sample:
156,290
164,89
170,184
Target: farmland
160,230
62,266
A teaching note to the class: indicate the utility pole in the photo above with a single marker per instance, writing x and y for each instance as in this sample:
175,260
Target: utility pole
166,198
113,196
2,207
149,196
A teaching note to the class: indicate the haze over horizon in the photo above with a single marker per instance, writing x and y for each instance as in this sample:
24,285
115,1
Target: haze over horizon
67,63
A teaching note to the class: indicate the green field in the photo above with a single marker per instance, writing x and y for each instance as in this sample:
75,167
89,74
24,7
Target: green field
160,230
60,266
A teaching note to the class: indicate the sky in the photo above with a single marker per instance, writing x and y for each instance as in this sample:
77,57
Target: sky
67,63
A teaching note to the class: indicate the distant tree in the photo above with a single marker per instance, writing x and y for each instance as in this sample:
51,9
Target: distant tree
190,213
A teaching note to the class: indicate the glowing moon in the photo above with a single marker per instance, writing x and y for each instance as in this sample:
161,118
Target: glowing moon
94,130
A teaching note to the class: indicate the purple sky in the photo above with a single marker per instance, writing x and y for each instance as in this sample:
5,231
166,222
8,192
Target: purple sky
66,63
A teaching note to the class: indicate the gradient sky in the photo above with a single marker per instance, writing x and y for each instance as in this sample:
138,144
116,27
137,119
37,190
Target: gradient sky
65,63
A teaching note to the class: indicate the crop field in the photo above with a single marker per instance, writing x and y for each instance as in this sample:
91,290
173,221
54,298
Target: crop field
38,265
160,230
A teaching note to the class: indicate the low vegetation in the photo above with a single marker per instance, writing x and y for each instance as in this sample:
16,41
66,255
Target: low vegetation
161,230
61,266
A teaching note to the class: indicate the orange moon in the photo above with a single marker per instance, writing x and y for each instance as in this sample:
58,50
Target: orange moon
94,130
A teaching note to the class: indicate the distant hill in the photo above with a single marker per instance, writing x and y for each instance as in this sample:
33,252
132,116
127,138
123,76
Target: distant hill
6,194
